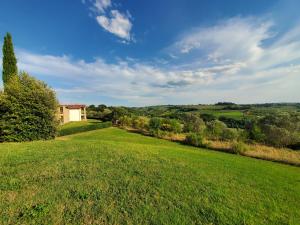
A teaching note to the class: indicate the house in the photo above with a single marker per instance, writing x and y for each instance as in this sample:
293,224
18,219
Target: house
68,113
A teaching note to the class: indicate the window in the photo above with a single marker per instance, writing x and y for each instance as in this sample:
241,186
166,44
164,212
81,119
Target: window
61,109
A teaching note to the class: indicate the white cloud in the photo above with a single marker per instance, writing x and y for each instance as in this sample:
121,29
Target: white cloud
236,38
102,5
248,71
112,19
117,23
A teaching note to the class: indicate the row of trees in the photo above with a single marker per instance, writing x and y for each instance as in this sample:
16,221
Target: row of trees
279,129
27,106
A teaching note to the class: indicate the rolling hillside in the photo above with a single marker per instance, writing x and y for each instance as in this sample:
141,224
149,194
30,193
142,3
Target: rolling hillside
110,176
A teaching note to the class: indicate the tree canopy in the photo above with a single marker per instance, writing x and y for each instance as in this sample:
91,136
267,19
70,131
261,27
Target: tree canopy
27,110
9,60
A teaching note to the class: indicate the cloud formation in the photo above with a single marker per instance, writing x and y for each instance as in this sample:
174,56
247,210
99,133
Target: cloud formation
112,20
235,38
117,23
102,5
240,60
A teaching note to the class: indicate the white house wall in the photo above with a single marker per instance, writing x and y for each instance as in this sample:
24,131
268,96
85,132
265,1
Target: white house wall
75,114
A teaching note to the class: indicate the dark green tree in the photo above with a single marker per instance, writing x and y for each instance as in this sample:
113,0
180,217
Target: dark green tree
9,59
28,110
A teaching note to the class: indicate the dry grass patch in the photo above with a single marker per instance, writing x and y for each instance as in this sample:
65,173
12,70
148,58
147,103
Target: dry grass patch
274,154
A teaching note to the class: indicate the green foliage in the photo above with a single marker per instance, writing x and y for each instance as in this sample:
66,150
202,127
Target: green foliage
9,62
167,125
117,113
195,139
208,117
229,134
239,147
233,122
155,123
276,129
193,123
158,133
100,112
215,129
254,131
82,126
125,121
140,122
27,110
170,125
215,120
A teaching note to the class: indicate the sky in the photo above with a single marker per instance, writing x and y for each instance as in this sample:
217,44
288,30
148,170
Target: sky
138,53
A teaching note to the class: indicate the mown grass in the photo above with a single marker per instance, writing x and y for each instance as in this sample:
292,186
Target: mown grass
235,114
110,176
82,126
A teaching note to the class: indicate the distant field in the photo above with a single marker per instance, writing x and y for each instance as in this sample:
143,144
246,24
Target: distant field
110,176
235,114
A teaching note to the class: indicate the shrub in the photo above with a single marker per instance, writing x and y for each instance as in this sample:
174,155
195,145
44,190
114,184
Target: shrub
232,122
215,129
208,117
193,123
194,139
239,147
115,114
125,121
155,123
140,122
170,125
229,134
27,110
158,133
276,129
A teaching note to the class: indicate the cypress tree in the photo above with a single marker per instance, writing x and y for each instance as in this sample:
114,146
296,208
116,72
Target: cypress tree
9,59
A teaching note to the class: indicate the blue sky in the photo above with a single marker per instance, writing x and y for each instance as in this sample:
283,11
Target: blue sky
159,52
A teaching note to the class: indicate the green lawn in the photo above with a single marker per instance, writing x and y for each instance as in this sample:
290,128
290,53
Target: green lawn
110,176
81,126
235,114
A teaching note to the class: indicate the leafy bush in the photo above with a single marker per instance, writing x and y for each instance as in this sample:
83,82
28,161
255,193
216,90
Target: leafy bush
229,134
276,129
193,123
239,147
254,131
155,123
208,117
27,110
125,121
116,113
232,122
194,139
158,133
170,125
215,129
140,122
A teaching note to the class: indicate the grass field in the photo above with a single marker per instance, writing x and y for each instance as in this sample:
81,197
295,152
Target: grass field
82,126
235,114
110,176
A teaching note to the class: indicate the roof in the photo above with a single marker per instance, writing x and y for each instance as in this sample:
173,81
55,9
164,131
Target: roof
75,106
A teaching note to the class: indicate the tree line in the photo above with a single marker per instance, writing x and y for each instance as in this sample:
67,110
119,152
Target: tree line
278,128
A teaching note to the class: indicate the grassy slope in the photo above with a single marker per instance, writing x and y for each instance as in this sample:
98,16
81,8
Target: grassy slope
81,126
111,176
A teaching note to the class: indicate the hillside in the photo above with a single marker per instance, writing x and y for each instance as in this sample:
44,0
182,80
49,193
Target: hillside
110,176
